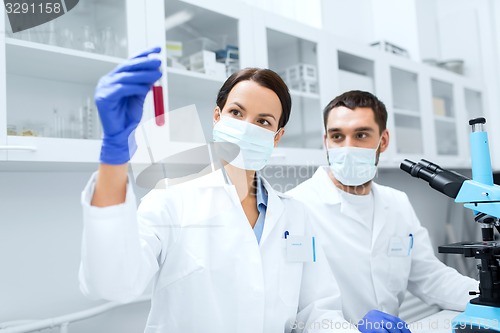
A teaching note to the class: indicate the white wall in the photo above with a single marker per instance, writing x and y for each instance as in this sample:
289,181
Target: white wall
352,19
40,237
396,22
305,11
494,77
460,35
368,21
427,25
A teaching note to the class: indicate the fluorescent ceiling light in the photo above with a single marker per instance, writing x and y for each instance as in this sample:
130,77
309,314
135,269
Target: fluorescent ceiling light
177,19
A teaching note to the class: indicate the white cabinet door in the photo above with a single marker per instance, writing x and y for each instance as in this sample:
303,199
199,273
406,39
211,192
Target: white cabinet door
36,149
3,93
50,76
292,50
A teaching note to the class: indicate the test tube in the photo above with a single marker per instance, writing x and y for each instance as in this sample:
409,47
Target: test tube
158,104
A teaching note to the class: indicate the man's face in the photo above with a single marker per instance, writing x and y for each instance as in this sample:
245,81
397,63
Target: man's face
354,128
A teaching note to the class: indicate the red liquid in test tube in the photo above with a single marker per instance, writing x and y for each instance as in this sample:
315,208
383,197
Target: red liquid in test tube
158,103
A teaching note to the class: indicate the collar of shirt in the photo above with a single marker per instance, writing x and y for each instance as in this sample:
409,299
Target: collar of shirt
261,196
261,193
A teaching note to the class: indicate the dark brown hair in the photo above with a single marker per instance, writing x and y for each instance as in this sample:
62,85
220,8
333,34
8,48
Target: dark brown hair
359,99
265,78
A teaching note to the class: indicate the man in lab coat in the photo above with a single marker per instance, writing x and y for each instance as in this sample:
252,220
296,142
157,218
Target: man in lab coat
372,237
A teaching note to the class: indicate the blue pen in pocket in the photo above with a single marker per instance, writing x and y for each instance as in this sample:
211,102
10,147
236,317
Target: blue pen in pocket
411,243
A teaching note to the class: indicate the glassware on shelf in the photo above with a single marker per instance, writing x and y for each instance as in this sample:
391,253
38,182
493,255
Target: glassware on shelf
108,42
65,38
88,40
28,131
24,35
78,123
51,33
31,128
11,129
38,34
57,124
122,47
73,130
87,120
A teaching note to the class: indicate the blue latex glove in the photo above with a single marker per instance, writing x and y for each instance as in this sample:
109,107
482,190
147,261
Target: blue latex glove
119,97
380,322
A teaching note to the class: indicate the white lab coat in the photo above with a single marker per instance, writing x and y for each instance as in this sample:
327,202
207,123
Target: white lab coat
420,272
209,273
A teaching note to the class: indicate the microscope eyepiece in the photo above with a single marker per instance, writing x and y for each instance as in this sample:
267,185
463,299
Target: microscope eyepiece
417,170
477,121
446,182
407,166
430,166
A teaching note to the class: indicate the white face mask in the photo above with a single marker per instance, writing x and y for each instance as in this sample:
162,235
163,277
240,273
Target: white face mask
353,166
256,143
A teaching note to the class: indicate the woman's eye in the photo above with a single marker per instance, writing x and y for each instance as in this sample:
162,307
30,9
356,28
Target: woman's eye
236,113
264,122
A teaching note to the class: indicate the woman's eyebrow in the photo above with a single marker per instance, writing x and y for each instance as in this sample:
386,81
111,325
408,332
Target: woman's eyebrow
267,115
239,105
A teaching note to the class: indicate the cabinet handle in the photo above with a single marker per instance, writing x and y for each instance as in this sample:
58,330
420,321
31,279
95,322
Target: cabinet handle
29,148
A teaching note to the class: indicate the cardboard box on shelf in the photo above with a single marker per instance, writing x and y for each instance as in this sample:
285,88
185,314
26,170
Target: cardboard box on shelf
201,60
173,48
175,63
199,44
304,86
232,68
216,70
231,52
391,48
302,72
439,106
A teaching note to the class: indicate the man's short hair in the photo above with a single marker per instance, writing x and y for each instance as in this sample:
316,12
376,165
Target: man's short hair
359,99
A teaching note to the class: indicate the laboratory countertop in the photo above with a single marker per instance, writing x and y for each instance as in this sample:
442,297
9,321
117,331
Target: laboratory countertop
437,323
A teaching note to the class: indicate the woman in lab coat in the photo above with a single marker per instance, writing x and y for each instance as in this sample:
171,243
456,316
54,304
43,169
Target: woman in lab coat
214,248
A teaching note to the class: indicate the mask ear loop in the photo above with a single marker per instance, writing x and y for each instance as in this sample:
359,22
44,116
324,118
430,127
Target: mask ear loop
379,142
327,154
212,164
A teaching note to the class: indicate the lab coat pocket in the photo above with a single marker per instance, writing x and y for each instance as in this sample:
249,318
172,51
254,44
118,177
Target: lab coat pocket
399,271
179,265
290,277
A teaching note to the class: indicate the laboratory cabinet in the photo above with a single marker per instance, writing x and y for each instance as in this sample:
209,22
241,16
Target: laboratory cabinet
428,107
47,112
439,104
299,54
50,72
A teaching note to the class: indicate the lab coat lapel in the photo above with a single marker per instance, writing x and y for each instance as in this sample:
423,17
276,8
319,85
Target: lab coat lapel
274,210
330,194
381,213
326,189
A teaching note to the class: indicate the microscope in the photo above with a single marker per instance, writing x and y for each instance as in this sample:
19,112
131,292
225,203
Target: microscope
482,314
